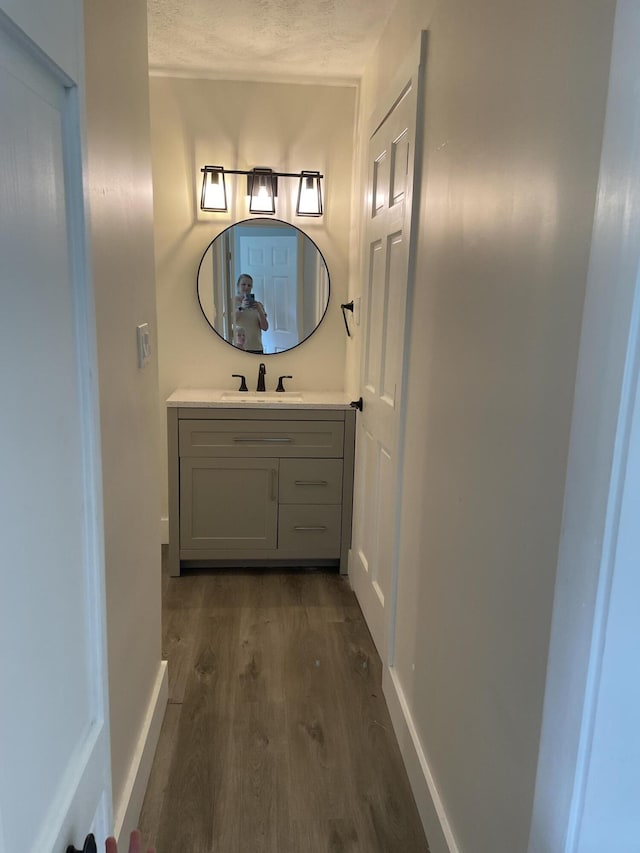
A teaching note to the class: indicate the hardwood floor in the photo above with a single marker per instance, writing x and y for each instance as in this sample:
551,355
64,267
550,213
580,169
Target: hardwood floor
277,737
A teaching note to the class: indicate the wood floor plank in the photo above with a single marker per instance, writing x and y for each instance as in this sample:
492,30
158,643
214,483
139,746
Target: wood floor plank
326,836
384,810
181,612
159,780
315,744
204,744
282,742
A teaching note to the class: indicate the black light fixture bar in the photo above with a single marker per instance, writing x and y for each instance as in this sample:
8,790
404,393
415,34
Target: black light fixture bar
275,174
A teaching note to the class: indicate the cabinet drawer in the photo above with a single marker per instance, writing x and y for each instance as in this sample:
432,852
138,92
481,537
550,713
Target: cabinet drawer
261,438
312,530
311,481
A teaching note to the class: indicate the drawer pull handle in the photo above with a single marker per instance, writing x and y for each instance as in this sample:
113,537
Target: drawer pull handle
311,482
283,440
318,527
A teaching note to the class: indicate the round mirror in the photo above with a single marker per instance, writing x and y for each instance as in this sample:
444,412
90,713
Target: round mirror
263,286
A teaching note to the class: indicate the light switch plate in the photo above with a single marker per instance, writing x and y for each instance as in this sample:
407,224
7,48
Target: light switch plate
144,344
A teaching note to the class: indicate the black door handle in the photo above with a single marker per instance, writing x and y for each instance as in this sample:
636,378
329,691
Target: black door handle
357,404
89,846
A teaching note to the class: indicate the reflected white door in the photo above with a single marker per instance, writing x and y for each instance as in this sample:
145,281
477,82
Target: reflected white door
54,738
384,301
272,262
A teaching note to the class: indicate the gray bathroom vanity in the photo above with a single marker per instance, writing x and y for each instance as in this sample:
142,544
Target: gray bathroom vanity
259,479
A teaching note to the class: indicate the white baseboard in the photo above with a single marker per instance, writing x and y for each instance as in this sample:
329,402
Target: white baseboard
127,811
164,530
430,806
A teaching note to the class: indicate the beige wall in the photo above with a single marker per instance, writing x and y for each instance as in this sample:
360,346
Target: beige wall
241,125
514,111
122,255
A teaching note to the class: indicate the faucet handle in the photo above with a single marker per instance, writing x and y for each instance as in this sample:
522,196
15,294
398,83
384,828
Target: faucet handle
262,370
243,383
280,383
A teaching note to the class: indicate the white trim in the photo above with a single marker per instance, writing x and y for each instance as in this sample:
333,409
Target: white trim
127,811
607,569
428,801
250,77
597,464
79,787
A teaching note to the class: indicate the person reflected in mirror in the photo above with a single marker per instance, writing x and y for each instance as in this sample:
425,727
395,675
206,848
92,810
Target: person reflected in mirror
239,337
250,315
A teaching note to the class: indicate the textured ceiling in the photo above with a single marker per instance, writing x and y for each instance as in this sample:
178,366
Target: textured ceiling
265,39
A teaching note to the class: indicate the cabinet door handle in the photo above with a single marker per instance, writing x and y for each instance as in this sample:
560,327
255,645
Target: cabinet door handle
318,527
311,482
278,440
273,484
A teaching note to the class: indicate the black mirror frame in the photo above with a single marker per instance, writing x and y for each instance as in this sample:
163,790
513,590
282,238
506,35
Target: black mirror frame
269,221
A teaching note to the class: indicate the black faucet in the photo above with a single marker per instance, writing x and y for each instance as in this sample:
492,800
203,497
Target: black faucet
281,383
261,374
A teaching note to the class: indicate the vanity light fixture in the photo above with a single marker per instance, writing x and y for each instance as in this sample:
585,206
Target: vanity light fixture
214,190
262,189
309,195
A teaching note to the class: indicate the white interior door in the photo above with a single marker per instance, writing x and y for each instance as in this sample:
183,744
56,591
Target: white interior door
384,302
54,737
272,262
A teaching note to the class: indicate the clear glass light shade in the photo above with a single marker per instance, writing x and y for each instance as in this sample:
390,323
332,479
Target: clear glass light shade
309,195
262,191
214,191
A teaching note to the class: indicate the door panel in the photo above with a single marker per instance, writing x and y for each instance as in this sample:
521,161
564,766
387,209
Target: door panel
367,510
54,761
385,489
392,338
400,150
388,227
380,182
374,301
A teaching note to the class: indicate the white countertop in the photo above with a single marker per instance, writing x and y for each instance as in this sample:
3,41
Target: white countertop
224,398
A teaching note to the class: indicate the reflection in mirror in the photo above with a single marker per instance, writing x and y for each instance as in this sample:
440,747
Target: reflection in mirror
263,286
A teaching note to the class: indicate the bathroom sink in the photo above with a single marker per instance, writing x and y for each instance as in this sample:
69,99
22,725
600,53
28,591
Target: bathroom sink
260,397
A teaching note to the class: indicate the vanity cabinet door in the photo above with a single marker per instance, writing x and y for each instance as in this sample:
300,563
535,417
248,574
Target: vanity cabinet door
229,503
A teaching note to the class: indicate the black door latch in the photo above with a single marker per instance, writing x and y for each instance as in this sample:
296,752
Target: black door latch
357,404
89,846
